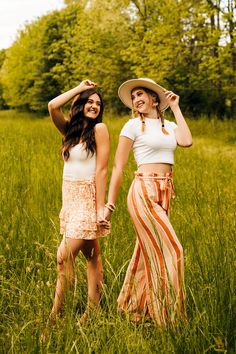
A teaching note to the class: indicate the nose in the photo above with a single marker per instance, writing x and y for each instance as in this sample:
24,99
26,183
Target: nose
93,105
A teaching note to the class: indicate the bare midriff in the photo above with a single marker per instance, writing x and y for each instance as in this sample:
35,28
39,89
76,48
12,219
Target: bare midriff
155,167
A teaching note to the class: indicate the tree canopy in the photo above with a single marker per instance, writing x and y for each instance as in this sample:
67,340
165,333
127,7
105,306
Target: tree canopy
186,46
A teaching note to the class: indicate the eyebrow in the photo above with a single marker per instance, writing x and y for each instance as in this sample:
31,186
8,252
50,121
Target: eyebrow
137,91
91,100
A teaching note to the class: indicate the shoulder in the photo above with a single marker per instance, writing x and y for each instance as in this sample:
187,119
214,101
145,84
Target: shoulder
132,122
100,127
170,125
101,130
130,128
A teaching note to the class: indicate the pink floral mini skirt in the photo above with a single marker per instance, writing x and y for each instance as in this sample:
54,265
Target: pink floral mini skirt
78,219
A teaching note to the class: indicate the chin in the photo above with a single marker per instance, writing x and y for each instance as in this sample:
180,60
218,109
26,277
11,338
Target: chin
91,117
143,111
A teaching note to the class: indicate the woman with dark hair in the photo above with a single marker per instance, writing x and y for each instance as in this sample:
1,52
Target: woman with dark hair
154,282
85,151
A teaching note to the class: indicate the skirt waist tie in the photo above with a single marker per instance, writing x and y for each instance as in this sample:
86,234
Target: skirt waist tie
166,180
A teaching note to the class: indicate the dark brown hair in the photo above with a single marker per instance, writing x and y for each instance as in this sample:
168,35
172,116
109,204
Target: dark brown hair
80,128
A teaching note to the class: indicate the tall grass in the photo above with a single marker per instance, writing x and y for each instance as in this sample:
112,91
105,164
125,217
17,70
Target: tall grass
203,215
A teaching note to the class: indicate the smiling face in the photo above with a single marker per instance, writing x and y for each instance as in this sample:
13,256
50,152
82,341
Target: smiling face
143,102
92,107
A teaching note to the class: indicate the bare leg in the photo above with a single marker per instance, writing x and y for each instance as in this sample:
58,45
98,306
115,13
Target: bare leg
91,251
66,254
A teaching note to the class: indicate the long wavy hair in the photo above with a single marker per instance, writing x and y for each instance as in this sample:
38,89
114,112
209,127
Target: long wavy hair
81,128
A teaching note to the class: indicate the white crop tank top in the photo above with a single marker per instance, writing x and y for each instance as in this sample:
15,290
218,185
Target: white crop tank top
152,145
80,165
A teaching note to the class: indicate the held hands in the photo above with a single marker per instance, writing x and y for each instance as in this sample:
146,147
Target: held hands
86,85
107,214
102,221
172,99
104,216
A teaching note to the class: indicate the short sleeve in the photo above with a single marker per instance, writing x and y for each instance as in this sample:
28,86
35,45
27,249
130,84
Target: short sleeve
128,130
173,125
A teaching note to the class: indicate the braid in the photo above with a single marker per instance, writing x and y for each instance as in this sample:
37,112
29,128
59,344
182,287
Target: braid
142,121
161,114
141,116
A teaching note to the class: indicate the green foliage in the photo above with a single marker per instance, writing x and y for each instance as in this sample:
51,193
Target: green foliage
203,216
25,75
3,104
187,46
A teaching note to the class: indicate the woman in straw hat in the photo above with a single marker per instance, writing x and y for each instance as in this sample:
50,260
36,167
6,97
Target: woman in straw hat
85,151
154,282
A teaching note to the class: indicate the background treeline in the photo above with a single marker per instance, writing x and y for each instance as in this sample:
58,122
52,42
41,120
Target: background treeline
186,45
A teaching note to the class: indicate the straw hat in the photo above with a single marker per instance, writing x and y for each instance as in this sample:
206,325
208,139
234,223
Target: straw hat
125,89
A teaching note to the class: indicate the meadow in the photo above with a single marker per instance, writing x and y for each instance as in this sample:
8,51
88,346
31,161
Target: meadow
203,215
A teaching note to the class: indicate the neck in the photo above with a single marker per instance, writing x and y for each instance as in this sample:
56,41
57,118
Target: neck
152,113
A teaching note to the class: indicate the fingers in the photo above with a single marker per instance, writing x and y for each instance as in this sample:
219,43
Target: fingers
103,218
90,83
104,225
171,96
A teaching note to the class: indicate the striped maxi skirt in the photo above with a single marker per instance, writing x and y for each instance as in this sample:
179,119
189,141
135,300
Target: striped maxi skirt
154,281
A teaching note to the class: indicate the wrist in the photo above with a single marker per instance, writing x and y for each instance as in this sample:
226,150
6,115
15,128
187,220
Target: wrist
100,209
110,206
78,90
175,109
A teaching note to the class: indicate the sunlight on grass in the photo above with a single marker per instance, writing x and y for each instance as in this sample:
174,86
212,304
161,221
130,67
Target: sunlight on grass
203,215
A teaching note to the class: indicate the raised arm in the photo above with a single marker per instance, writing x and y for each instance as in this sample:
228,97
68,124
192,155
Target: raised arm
102,152
54,106
182,133
121,157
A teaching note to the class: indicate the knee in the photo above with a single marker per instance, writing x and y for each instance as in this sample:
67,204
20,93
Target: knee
100,266
95,260
60,263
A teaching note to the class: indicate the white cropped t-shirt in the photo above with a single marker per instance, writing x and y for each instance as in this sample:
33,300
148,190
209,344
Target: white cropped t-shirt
152,145
79,165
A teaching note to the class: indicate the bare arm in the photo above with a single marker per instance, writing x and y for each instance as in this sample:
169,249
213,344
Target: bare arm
182,133
121,157
54,106
103,149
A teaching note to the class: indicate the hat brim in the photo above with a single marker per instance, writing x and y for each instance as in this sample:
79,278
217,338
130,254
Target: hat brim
125,89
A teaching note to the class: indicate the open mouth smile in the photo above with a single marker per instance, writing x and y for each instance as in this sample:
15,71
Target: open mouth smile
94,111
140,104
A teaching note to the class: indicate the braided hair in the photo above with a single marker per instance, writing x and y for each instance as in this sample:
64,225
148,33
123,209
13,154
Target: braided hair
160,113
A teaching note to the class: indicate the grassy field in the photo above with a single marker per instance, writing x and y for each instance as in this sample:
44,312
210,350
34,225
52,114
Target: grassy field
203,215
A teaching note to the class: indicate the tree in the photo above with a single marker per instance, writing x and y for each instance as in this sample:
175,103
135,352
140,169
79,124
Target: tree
186,45
3,104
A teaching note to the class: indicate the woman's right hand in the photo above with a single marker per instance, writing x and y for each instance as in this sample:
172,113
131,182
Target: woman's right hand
54,106
86,85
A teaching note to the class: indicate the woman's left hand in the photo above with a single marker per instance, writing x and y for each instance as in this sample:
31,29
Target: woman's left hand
101,218
172,99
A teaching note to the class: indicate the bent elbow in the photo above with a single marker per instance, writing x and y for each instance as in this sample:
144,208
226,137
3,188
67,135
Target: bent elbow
187,143
50,106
